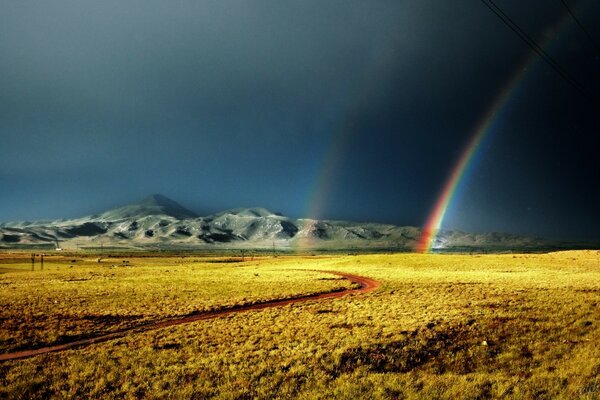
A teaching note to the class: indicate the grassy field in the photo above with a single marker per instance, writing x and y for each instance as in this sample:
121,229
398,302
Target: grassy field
440,326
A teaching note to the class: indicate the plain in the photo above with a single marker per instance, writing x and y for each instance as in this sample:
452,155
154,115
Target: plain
440,326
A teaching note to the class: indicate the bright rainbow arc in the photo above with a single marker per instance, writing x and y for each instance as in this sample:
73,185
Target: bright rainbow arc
434,222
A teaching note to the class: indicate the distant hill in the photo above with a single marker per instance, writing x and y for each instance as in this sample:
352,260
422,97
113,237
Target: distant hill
159,222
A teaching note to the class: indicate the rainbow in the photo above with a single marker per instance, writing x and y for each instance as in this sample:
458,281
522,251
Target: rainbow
328,167
332,156
433,223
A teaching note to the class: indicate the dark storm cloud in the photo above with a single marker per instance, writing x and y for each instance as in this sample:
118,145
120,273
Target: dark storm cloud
234,103
93,81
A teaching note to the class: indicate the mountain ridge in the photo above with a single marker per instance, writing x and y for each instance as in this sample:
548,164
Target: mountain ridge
160,222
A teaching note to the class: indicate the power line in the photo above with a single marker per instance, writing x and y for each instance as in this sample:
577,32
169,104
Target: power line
581,25
534,46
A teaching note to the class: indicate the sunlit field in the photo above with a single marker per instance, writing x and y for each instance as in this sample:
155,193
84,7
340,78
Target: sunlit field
440,326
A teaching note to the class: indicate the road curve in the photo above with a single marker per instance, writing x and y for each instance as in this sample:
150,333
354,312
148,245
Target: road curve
365,285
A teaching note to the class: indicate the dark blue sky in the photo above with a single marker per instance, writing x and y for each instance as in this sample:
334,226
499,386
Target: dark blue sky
221,104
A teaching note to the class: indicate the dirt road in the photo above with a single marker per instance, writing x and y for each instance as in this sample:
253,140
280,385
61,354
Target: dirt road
365,285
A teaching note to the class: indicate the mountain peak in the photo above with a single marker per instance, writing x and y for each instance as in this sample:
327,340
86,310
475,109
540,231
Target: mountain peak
155,204
158,200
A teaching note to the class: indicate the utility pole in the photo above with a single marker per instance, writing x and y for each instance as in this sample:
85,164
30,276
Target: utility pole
32,260
42,261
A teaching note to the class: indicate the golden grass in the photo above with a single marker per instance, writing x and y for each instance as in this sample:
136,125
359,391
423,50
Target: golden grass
441,326
78,297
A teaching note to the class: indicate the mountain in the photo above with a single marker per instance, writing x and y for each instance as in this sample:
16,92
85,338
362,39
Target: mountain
159,222
155,204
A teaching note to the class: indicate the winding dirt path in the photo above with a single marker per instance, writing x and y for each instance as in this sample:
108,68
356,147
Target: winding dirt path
365,285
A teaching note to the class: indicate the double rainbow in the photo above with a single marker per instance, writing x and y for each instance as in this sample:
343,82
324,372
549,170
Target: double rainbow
326,170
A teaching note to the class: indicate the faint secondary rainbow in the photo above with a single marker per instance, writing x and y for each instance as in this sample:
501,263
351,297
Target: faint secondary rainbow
331,159
327,171
465,162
